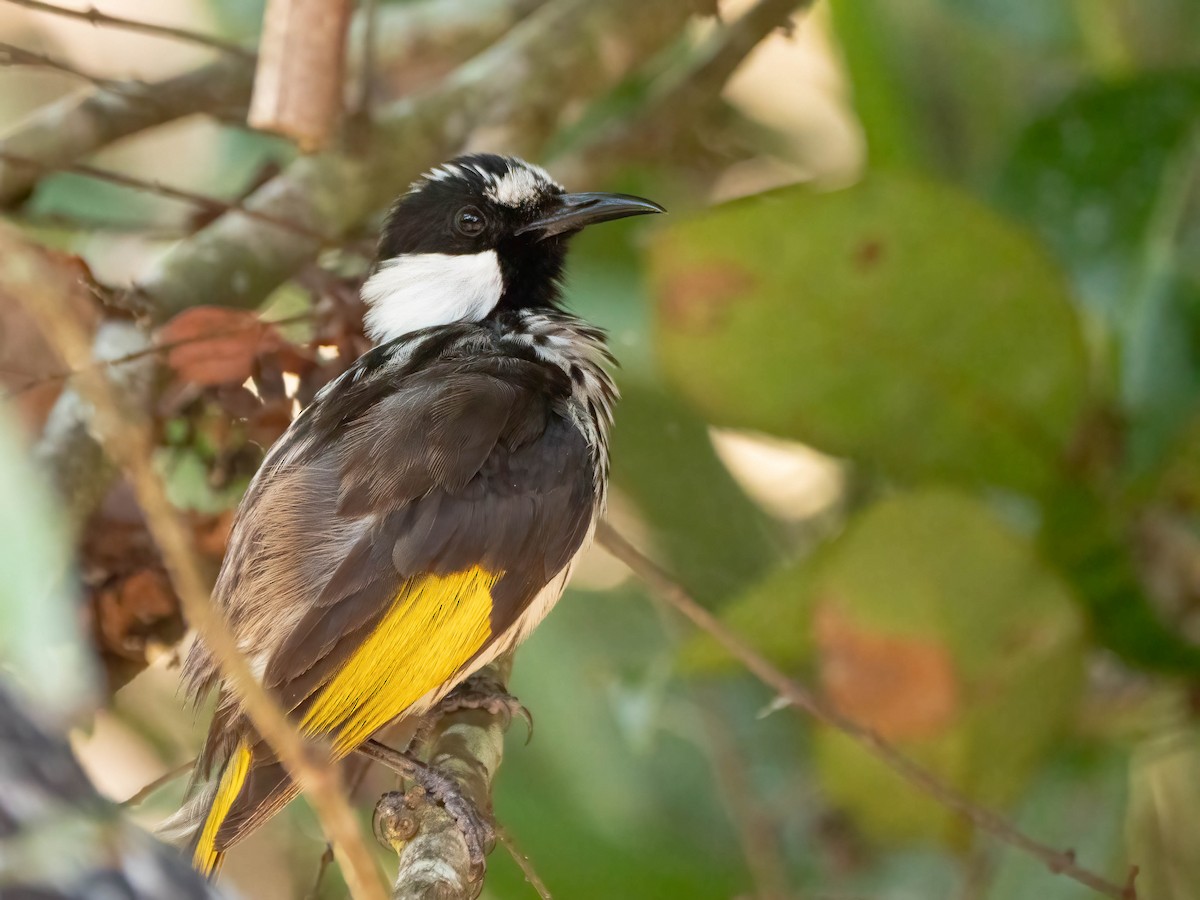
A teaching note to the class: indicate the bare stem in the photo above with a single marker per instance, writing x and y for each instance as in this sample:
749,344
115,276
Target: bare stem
163,779
137,91
298,85
523,862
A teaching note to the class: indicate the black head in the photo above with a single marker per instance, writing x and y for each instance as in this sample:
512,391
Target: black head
479,234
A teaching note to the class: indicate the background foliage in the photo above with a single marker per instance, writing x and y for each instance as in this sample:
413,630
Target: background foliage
919,418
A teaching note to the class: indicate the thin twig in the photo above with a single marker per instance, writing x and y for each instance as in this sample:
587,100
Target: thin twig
77,125
43,289
165,778
357,766
145,230
94,16
139,91
322,866
204,201
757,832
1057,861
523,862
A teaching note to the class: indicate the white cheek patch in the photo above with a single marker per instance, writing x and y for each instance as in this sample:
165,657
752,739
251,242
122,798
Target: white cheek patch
423,289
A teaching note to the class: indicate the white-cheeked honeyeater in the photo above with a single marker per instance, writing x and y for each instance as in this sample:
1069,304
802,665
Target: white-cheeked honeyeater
423,514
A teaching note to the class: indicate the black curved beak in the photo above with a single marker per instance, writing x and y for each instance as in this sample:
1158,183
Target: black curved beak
571,212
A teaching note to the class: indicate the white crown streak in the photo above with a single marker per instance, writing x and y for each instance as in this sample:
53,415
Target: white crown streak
420,290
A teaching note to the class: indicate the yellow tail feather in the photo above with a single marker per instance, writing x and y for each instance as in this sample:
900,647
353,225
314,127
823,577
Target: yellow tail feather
434,626
207,859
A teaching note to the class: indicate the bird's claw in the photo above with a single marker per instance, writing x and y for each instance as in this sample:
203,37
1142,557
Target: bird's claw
396,819
489,695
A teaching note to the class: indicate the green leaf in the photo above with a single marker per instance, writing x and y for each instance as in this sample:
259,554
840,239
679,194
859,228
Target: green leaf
1164,815
942,630
868,40
701,523
897,321
714,539
1105,178
1076,803
41,641
1089,541
775,617
188,484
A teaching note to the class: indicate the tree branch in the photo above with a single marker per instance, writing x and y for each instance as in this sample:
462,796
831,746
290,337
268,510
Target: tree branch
544,62
69,130
1060,862
66,131
27,274
523,863
434,861
93,15
300,78
201,201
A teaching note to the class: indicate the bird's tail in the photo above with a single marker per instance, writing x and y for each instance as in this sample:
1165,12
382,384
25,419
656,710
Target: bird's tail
206,858
243,792
197,824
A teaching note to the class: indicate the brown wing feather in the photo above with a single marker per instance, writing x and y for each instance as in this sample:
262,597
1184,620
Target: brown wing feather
467,461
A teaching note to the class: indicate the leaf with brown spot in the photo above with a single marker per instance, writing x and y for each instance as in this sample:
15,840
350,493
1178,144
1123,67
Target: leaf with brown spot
898,321
942,629
210,345
695,299
902,687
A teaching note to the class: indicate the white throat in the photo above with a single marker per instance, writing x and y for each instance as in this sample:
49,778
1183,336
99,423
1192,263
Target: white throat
423,289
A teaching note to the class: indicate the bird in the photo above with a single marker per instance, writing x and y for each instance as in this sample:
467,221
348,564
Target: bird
423,514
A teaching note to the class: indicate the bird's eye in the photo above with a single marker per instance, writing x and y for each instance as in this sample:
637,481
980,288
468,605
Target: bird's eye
469,221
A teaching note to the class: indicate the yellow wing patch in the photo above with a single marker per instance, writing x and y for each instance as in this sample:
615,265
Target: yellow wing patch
435,624
207,858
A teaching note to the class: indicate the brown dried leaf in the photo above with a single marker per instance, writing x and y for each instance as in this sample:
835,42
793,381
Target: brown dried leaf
209,345
29,368
133,608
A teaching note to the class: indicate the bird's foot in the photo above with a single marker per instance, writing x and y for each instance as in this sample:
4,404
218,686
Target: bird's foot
484,692
396,816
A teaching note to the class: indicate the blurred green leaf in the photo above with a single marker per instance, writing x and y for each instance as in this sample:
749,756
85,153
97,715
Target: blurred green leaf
1076,803
1178,483
943,631
714,539
1111,179
867,37
1163,817
1089,541
41,641
189,485
897,321
775,616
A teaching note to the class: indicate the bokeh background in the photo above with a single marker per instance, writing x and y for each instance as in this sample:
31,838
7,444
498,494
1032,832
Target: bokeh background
910,384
